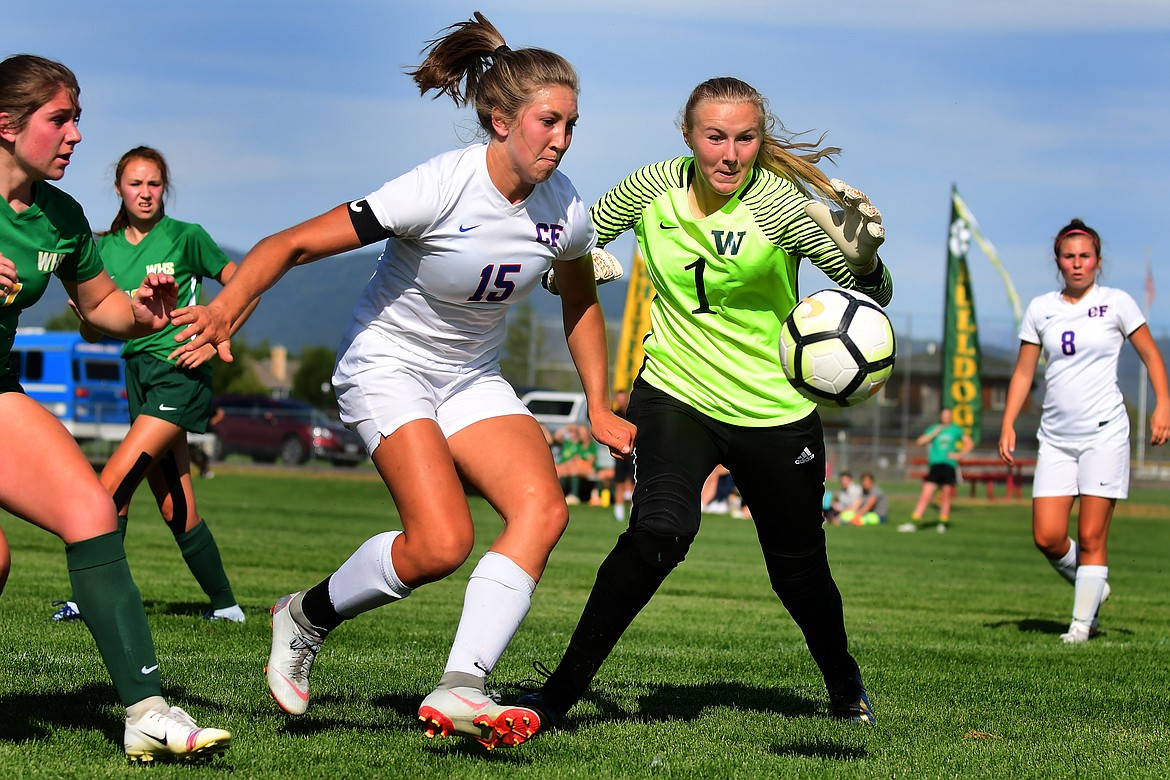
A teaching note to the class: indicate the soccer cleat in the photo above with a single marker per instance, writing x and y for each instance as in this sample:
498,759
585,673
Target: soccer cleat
291,660
941,527
170,734
907,528
1077,633
848,700
472,713
232,614
538,703
857,710
67,613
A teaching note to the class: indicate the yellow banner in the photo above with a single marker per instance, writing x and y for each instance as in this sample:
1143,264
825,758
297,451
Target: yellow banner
635,325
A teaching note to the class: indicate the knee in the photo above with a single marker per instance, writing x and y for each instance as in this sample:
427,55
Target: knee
435,557
1050,543
667,508
550,523
792,574
90,504
660,552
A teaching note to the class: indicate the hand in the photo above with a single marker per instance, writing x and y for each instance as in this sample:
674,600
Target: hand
1007,445
606,268
857,230
1159,426
616,433
196,357
154,300
204,325
8,283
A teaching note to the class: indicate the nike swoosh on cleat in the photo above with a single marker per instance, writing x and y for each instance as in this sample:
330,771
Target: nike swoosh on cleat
470,703
300,694
148,669
160,740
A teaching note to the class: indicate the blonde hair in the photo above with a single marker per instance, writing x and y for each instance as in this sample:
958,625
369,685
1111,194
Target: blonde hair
779,152
471,63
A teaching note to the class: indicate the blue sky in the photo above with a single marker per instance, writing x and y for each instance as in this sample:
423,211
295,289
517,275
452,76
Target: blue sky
271,112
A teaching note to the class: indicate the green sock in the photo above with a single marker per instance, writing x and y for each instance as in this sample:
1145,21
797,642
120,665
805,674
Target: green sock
202,555
111,607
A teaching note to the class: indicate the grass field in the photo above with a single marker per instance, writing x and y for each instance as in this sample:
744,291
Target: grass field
957,636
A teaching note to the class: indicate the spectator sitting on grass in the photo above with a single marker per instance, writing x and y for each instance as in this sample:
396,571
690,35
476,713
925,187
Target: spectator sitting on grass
874,507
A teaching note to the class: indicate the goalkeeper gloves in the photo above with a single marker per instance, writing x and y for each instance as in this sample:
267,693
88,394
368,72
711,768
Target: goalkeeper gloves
856,230
606,268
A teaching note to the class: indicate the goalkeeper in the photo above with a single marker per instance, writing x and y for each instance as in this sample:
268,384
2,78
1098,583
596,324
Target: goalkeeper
722,231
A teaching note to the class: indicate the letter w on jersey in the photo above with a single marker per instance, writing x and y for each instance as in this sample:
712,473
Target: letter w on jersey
47,262
728,242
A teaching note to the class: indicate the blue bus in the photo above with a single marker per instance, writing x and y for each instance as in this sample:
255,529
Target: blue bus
83,384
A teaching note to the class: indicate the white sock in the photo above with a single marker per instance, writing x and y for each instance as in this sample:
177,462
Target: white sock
1066,565
1090,584
619,511
367,580
498,596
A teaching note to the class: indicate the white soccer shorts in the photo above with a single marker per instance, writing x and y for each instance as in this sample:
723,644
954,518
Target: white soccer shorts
391,392
1094,466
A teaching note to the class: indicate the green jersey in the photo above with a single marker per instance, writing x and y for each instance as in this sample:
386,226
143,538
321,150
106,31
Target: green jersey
948,439
723,285
52,236
181,249
572,449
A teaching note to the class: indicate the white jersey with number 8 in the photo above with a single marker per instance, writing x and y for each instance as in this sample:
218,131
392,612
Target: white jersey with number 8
1081,343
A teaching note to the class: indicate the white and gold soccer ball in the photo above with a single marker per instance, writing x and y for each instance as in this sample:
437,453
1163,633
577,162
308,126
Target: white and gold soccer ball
837,347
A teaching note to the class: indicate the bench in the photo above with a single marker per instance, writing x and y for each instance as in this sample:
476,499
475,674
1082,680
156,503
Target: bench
986,471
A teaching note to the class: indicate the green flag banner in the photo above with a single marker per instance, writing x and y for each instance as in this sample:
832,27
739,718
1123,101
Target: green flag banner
961,380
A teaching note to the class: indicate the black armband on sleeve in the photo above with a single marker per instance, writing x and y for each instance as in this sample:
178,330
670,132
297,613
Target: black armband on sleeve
369,230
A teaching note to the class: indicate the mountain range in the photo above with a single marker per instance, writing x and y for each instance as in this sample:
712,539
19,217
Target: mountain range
311,307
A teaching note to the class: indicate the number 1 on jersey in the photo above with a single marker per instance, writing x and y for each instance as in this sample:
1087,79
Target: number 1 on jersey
700,289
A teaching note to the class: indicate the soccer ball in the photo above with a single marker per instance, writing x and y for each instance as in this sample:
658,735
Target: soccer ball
837,347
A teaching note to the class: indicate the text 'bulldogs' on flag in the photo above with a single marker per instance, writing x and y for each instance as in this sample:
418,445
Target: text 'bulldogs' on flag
961,355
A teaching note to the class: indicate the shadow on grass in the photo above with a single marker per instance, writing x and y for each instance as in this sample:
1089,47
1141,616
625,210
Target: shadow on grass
165,607
1039,626
821,749
36,716
686,703
689,702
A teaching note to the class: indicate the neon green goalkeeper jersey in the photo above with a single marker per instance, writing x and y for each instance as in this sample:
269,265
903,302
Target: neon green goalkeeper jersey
723,285
182,249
